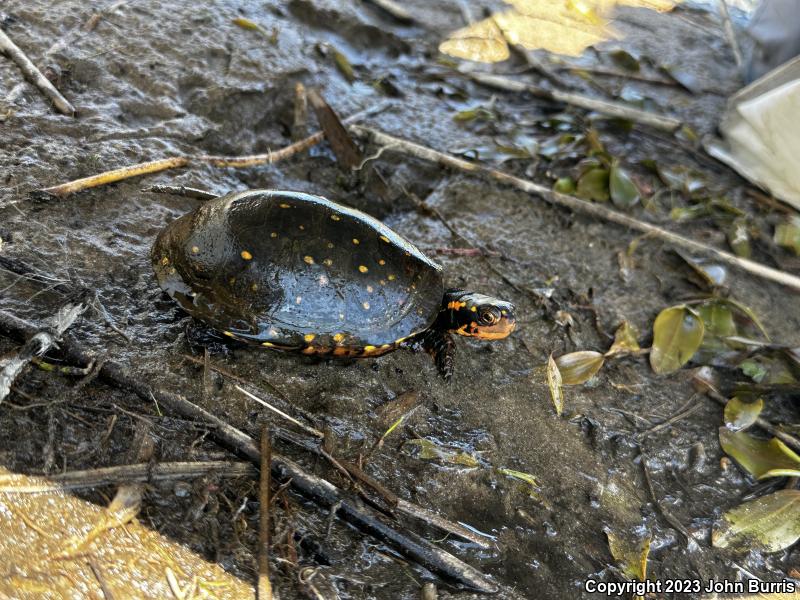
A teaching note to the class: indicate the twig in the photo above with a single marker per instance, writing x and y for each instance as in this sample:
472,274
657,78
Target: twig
668,516
181,190
317,489
176,162
264,586
730,34
687,409
35,75
38,344
577,205
144,473
98,574
155,166
609,72
607,107
303,426
409,509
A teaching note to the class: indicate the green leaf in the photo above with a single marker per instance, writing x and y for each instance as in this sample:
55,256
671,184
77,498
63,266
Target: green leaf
677,334
525,478
624,193
579,367
343,65
554,383
760,458
788,235
593,185
754,370
770,523
739,415
631,553
717,318
564,185
428,450
625,340
625,60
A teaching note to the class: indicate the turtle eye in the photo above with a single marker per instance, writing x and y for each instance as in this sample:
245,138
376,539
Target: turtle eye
489,316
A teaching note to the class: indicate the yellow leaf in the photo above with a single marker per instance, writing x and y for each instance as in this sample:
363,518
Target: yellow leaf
481,41
631,553
740,415
624,340
554,383
760,458
770,523
579,367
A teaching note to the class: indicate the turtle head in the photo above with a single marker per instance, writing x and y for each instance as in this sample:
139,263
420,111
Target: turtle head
476,315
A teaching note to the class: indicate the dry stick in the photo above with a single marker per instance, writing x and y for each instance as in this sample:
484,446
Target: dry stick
319,490
176,162
576,204
181,190
168,471
303,426
35,75
38,344
264,586
730,34
607,107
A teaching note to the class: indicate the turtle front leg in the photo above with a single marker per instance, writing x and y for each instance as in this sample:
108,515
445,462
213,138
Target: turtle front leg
442,348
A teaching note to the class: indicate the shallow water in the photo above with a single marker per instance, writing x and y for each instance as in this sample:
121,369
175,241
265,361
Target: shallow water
153,81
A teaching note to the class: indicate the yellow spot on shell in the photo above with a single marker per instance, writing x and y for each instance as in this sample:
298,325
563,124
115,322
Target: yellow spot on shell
284,205
232,280
165,261
246,255
369,349
327,262
474,309
273,235
309,260
309,337
366,305
298,300
330,245
195,250
386,346
254,287
385,239
267,344
356,242
341,317
363,269
338,337
336,217
382,282
381,262
392,277
301,227
172,270
370,289
228,333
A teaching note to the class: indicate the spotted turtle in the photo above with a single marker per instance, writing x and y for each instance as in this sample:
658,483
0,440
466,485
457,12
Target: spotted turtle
295,272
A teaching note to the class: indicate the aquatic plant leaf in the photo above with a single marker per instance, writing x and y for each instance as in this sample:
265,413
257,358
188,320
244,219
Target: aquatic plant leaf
527,478
717,318
579,367
564,185
788,235
677,334
631,553
343,65
429,450
754,370
593,185
770,523
625,60
760,458
739,415
625,340
554,383
623,191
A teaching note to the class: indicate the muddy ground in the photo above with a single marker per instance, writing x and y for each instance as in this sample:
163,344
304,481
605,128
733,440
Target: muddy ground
155,80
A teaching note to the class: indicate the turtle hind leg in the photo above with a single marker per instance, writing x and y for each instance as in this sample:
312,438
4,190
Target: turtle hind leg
442,348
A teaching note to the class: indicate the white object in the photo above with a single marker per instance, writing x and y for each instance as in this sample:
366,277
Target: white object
761,131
